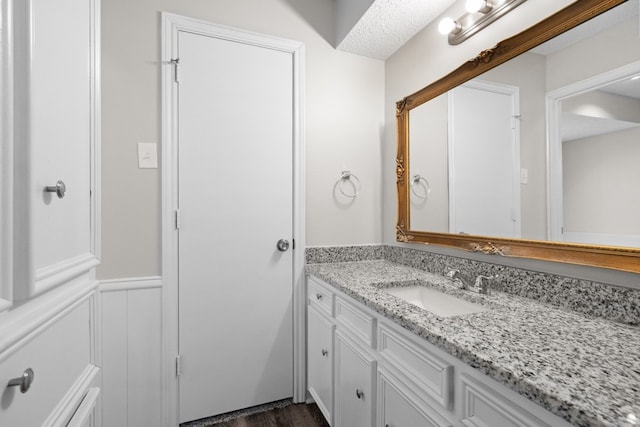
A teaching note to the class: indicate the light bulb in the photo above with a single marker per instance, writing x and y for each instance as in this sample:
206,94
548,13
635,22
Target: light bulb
448,25
474,6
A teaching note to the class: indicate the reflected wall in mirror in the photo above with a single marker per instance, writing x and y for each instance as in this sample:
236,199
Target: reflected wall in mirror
532,148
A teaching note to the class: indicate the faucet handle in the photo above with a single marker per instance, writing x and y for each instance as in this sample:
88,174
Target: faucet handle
451,274
483,283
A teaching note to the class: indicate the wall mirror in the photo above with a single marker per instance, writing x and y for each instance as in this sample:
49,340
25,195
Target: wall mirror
532,149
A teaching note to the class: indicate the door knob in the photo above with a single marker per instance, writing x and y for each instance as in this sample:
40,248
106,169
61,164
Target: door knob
282,245
60,189
24,381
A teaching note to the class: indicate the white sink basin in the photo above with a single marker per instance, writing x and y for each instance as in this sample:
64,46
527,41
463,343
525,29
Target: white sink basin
438,303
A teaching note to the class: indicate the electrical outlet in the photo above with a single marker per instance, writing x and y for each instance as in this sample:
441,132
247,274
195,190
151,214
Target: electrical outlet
147,155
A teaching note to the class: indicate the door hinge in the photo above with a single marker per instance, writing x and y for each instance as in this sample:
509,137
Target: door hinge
513,120
178,365
177,219
175,63
293,244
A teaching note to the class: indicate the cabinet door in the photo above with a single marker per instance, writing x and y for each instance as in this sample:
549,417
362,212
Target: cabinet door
320,360
398,408
56,130
354,379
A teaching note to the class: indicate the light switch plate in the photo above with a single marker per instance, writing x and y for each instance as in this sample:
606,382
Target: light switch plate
147,155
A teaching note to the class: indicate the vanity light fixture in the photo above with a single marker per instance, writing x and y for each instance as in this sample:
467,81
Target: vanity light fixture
482,6
449,26
480,13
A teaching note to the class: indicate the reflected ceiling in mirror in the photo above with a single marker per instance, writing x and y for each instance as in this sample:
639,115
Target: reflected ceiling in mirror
472,164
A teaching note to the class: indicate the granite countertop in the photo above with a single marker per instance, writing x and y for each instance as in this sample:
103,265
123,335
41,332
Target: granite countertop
585,370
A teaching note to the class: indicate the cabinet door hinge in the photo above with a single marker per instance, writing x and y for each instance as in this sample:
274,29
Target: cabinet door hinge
178,365
177,219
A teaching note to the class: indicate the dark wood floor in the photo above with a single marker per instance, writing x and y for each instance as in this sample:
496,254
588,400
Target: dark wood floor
300,415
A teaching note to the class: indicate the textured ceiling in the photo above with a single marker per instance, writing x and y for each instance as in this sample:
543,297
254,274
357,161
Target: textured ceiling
389,24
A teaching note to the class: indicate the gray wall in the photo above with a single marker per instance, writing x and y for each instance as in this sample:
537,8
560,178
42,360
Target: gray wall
601,180
344,122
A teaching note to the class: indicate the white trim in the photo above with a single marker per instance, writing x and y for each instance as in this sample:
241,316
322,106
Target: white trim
95,157
514,93
26,322
85,414
170,27
56,274
130,284
299,213
6,153
73,399
169,44
555,196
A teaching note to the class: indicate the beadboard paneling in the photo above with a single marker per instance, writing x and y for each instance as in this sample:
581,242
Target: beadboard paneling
132,352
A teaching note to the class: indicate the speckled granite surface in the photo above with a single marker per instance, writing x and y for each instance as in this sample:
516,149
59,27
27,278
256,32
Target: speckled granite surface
583,369
321,254
583,296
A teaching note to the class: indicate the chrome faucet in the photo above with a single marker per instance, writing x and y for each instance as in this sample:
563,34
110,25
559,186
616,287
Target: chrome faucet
481,284
459,278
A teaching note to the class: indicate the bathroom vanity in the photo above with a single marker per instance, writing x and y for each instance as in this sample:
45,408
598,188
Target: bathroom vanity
376,359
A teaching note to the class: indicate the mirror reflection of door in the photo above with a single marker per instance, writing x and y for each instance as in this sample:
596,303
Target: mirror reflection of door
594,133
484,160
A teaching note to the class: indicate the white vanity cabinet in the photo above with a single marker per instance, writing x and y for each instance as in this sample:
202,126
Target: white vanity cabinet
49,221
385,376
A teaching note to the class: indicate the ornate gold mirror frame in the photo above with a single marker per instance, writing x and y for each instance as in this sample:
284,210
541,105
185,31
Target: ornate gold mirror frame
619,258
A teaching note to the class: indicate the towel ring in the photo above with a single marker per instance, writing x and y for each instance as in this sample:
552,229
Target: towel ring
415,181
353,180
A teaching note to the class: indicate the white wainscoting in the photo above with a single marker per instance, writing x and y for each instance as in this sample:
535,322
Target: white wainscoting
132,351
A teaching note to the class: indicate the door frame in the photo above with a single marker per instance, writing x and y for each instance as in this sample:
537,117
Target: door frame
171,25
554,98
502,89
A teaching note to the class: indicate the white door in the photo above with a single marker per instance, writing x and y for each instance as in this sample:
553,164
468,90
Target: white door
235,203
484,160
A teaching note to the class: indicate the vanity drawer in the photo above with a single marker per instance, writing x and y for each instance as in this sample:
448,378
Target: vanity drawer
358,322
432,375
483,405
58,356
320,296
